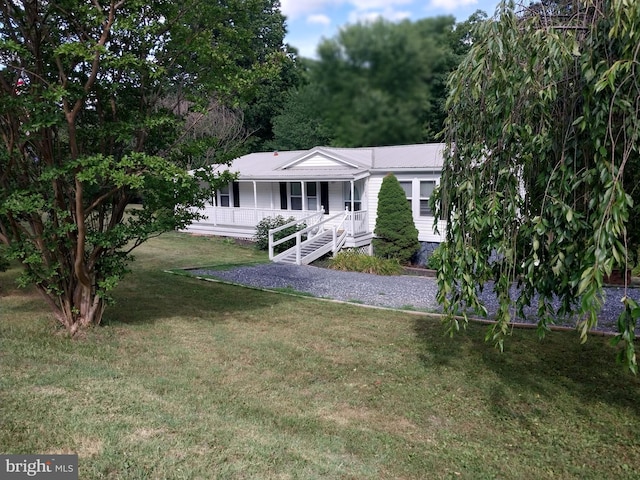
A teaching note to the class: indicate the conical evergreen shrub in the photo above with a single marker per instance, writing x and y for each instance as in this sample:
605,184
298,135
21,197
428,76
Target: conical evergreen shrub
396,234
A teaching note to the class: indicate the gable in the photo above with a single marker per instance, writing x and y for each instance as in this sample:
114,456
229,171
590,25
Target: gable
317,160
320,159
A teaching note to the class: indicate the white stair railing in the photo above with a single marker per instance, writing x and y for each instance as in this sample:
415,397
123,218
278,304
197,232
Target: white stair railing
310,231
312,221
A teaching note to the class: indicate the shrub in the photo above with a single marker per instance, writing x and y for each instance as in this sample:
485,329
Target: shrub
434,262
353,261
262,232
396,234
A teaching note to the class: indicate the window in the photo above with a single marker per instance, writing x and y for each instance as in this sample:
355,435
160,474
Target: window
426,190
408,191
229,195
296,196
224,196
357,201
312,196
291,196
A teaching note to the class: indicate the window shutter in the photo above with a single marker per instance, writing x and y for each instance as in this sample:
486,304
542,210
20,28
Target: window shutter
236,194
283,195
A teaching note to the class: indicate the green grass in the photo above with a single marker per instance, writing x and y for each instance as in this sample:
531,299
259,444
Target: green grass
200,380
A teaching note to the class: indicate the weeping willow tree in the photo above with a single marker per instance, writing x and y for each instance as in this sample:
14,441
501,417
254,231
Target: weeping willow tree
542,170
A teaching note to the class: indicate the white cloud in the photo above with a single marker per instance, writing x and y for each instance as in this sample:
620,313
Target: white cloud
319,19
294,9
299,8
307,47
452,4
371,16
377,4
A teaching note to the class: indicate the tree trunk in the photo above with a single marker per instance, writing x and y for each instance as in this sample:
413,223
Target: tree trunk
78,308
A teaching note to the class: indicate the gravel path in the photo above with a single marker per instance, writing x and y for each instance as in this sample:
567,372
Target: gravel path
406,291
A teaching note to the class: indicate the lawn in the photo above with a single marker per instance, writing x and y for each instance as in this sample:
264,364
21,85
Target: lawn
189,379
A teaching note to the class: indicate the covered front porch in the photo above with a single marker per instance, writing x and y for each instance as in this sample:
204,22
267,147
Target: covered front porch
240,222
236,209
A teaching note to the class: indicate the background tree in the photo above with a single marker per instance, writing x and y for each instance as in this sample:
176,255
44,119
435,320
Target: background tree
264,97
396,234
214,135
85,126
301,124
376,83
540,181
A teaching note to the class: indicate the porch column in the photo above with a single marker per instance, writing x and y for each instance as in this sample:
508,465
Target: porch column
353,208
214,203
255,201
304,196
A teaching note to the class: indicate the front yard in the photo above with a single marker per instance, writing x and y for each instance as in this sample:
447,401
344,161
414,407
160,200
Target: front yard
198,380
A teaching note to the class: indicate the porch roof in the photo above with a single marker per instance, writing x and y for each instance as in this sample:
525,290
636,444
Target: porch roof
329,163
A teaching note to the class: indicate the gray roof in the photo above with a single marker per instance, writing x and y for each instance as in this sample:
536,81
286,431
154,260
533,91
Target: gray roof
427,156
337,163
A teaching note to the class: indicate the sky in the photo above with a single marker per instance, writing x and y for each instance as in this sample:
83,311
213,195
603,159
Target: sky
308,21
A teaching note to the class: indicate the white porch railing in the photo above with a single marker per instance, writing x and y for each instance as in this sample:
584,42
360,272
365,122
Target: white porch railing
355,223
249,217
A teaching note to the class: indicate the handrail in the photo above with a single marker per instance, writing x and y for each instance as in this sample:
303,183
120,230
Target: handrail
272,244
299,233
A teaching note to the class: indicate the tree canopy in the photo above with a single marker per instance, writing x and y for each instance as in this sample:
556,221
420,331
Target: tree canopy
375,83
541,181
99,102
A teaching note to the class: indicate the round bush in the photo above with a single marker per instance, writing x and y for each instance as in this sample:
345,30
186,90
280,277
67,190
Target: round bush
266,224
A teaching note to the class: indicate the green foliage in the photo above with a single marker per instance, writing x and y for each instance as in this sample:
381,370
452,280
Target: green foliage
266,224
375,83
100,113
541,174
396,234
172,344
301,124
434,262
353,261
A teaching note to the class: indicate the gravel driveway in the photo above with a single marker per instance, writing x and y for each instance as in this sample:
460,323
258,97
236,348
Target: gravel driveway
406,291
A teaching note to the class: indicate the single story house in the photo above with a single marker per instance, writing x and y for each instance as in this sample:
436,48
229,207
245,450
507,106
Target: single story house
339,185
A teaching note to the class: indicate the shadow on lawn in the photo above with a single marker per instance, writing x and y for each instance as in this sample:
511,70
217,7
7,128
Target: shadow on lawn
158,295
547,367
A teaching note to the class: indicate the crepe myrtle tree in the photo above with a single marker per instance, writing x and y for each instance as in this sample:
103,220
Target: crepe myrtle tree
85,127
540,181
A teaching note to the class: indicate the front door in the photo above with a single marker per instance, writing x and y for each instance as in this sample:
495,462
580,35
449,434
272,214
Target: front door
324,196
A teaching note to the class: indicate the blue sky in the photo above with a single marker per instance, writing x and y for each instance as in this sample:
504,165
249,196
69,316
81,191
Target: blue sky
310,20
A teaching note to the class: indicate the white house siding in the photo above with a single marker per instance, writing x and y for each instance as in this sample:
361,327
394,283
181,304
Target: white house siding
264,195
268,196
423,224
336,201
317,160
